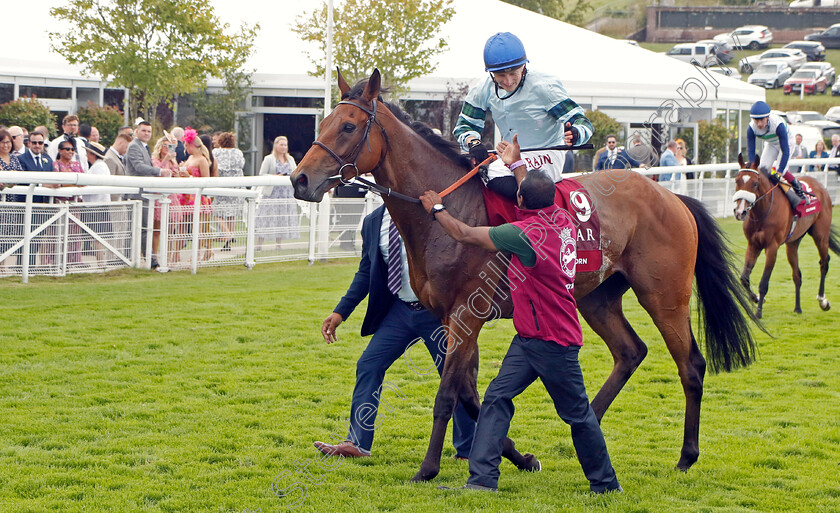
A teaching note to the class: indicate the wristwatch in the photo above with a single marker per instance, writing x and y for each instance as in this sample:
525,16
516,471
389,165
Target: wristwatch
436,208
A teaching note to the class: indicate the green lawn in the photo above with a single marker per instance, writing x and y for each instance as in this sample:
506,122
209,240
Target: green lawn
138,391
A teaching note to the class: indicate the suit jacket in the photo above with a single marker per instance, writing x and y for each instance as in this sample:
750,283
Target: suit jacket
138,162
371,280
116,167
622,161
27,162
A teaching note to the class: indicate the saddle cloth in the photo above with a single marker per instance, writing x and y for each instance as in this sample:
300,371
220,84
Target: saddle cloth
571,196
807,208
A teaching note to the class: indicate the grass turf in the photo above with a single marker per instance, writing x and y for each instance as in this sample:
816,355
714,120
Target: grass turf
138,391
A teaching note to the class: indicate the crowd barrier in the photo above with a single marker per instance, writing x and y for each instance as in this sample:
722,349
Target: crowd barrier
225,221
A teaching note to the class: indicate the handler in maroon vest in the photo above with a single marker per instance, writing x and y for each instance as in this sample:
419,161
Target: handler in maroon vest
549,336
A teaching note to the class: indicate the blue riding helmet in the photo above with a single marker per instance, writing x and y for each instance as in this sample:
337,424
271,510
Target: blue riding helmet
502,51
759,110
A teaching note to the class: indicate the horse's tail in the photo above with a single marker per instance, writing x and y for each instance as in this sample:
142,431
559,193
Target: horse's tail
724,307
834,240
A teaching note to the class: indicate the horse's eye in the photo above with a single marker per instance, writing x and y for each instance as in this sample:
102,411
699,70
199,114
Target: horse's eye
348,127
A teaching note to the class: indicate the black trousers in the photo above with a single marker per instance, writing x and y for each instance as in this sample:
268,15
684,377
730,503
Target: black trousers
557,366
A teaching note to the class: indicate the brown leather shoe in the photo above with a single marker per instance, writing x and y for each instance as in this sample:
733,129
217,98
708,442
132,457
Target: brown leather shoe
346,448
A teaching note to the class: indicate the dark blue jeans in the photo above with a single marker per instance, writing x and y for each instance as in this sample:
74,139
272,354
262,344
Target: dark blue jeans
400,327
557,366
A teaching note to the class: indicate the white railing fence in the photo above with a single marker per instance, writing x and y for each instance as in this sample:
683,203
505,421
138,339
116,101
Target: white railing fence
202,222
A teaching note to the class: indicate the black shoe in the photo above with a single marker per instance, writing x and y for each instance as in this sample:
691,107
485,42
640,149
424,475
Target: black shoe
609,490
155,263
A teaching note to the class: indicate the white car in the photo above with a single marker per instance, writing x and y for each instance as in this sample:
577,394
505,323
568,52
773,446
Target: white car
833,114
791,57
804,116
771,74
748,36
725,71
701,53
810,3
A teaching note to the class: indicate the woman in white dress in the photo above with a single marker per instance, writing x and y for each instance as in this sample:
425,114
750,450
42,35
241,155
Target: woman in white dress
277,218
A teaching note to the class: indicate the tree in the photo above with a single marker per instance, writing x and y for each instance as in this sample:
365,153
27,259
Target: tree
107,120
156,48
218,110
27,113
576,14
396,36
712,139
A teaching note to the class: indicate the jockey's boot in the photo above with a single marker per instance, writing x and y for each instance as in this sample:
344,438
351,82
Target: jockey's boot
795,194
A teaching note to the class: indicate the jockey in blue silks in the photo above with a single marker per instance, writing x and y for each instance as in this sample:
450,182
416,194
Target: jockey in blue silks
531,104
772,129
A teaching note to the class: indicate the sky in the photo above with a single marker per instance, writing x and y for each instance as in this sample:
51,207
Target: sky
275,17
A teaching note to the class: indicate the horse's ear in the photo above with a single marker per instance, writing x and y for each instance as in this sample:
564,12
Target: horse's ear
371,92
741,161
343,86
755,162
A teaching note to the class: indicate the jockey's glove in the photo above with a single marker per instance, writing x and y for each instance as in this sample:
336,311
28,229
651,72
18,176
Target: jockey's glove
478,151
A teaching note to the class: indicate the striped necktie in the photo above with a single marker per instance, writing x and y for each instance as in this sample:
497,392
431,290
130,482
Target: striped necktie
394,260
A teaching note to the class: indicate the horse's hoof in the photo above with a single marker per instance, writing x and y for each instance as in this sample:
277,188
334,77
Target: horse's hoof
532,464
758,314
424,475
824,303
797,310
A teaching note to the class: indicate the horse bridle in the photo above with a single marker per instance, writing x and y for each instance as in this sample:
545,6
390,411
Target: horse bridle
751,205
357,152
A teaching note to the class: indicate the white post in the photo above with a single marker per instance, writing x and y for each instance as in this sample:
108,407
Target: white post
313,223
163,248
27,233
66,241
328,67
251,231
725,194
136,229
196,225
324,226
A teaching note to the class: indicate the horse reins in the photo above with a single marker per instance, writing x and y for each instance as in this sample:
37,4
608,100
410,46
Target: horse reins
357,151
751,205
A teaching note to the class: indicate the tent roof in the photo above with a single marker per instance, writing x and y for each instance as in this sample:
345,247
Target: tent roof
596,70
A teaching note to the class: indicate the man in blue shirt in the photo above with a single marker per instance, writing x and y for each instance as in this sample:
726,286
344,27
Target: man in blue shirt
668,158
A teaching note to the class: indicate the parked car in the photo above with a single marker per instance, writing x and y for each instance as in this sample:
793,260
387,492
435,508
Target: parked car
723,50
750,36
815,3
813,50
835,89
725,71
702,54
808,79
830,38
771,74
803,116
793,58
781,114
833,114
823,68
828,128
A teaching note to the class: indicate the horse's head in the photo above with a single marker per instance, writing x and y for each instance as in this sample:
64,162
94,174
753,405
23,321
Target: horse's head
747,188
351,142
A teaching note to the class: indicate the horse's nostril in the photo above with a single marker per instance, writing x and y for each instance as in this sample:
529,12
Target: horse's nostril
302,180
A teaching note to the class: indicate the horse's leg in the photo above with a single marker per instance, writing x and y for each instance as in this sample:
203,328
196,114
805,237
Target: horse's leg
602,310
769,261
821,242
669,309
458,380
749,262
793,258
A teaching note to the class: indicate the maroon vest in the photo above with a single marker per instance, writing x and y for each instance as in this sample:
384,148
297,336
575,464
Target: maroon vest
544,305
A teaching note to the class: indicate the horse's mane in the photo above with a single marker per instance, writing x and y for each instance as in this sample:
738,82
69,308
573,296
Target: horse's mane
450,149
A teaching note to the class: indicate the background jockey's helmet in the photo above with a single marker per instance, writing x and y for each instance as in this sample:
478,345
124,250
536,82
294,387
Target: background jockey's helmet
759,110
503,51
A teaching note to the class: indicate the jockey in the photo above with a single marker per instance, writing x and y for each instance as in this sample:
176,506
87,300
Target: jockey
531,104
773,130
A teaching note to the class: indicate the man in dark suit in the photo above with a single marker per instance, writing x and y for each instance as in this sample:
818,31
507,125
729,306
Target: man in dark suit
614,157
396,319
36,159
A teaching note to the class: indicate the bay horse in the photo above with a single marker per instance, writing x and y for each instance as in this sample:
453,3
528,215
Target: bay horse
768,221
653,242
